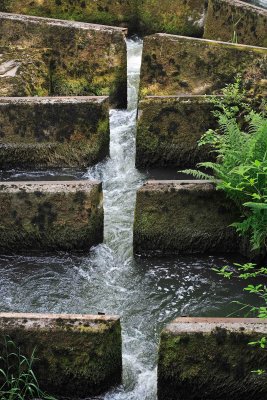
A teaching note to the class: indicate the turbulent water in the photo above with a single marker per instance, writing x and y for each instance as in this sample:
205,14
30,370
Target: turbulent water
260,3
146,292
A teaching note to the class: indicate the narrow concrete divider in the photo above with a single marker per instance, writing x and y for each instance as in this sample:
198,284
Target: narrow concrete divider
210,358
177,65
77,355
50,215
86,59
184,217
169,128
234,20
37,132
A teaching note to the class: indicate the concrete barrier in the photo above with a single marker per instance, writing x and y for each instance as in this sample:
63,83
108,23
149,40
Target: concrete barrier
184,217
86,59
37,132
50,215
24,72
140,16
169,129
233,20
210,358
77,355
177,65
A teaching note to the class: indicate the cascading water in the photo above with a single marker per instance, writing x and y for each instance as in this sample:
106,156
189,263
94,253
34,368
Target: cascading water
146,292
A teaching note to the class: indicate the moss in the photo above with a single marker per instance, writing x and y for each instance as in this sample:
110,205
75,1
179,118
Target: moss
210,366
169,129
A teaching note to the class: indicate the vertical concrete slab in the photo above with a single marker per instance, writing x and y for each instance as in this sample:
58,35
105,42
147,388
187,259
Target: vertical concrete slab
86,59
210,358
43,132
50,215
77,355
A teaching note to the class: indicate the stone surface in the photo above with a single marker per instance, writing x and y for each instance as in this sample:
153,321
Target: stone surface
169,129
50,215
24,71
86,59
230,20
209,358
53,131
184,217
78,355
177,65
140,16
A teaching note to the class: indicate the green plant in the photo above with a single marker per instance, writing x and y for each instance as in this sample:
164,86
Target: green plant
240,170
17,379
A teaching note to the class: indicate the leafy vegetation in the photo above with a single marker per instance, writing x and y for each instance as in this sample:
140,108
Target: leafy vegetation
17,379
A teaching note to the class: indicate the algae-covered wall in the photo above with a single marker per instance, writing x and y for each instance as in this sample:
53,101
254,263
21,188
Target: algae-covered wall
77,355
24,71
209,358
85,59
169,129
50,215
233,20
184,17
175,65
183,217
53,132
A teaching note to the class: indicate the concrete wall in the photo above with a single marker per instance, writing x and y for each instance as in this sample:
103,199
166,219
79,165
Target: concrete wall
176,65
184,217
209,358
86,59
78,355
169,128
230,20
38,132
50,215
140,16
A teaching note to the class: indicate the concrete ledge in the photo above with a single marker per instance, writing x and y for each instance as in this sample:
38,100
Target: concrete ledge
184,217
86,59
209,358
78,355
50,215
199,66
169,129
226,18
37,132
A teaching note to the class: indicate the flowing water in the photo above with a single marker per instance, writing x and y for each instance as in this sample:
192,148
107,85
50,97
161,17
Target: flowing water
146,292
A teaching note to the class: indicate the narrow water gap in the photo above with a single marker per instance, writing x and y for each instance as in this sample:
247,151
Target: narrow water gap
146,292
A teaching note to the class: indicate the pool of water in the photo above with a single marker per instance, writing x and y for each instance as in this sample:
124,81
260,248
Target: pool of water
146,292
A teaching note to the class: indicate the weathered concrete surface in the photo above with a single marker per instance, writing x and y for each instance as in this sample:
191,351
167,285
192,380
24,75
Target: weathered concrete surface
50,215
169,129
24,71
86,59
230,20
78,355
209,358
140,16
38,132
177,65
184,217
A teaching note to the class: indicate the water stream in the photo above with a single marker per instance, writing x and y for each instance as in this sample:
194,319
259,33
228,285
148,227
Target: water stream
146,292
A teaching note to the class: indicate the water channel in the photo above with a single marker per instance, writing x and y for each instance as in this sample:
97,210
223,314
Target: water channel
146,292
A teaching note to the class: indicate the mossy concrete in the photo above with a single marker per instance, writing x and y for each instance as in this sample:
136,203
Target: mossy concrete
50,215
177,65
86,59
37,132
77,355
169,129
184,217
24,71
140,16
210,358
230,20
